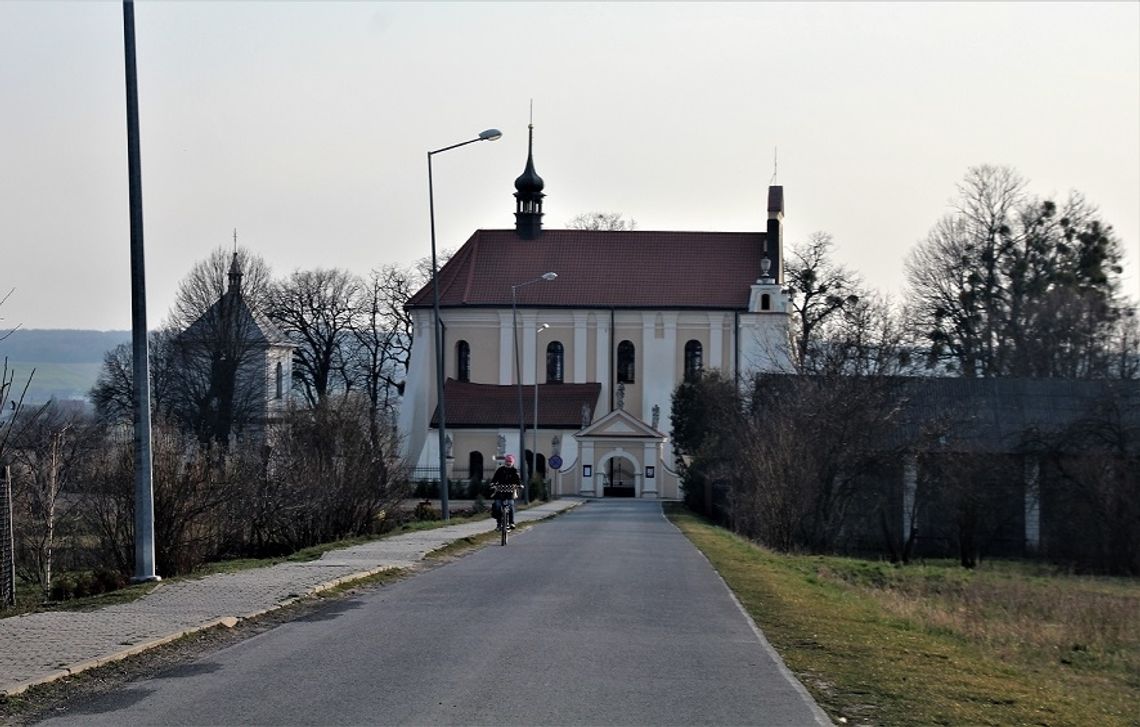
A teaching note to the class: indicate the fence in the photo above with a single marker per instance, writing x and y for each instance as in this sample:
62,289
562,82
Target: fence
7,544
462,483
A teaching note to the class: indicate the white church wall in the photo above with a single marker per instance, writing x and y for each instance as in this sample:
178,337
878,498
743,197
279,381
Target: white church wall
419,395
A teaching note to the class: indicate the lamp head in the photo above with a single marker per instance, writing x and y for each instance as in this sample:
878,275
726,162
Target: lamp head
549,276
490,135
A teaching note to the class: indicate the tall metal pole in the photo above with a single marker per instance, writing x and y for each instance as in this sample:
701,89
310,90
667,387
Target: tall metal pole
534,435
144,490
438,326
537,331
518,382
488,135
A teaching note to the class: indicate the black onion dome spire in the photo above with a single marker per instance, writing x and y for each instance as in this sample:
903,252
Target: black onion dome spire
529,183
528,198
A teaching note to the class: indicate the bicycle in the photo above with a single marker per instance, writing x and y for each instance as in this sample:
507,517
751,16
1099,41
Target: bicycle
503,517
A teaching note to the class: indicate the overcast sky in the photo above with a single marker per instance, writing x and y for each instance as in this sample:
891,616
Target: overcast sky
306,126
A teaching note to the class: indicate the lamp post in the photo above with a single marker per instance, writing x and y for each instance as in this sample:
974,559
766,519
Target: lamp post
518,377
534,436
144,485
488,135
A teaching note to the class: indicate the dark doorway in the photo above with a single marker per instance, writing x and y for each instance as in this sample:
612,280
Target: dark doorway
620,479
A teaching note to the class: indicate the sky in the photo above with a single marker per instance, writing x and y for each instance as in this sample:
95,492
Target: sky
306,127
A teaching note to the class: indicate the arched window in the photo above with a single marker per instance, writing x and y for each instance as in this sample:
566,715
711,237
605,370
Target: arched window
765,302
694,360
475,468
463,361
280,378
554,362
626,363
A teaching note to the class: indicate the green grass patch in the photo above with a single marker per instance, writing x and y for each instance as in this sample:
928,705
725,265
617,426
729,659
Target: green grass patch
936,644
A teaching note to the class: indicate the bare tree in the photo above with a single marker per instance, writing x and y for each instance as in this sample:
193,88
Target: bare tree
809,445
316,309
820,290
211,278
328,478
202,499
49,455
601,221
1008,284
382,333
112,395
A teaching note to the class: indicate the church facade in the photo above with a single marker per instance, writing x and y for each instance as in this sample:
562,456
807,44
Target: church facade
564,347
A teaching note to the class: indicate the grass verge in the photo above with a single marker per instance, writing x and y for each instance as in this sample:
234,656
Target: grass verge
935,644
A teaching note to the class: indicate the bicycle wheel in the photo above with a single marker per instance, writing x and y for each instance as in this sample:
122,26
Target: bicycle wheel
503,519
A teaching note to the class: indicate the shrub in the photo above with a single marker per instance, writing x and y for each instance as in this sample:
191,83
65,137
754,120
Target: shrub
425,511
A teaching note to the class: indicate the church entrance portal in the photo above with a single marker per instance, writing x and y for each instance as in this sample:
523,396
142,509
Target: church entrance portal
620,480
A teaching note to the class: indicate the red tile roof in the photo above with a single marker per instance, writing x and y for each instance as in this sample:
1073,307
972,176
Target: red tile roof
489,405
602,268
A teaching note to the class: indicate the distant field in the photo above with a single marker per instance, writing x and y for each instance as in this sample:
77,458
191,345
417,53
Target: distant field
66,362
58,380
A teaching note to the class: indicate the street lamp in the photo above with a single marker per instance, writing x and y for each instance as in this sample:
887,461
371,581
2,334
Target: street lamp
144,465
534,436
488,135
518,377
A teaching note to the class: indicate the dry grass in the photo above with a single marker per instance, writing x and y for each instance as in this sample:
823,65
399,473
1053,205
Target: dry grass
1012,609
1006,644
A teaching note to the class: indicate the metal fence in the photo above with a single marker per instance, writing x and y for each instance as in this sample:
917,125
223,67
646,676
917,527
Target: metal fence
463,484
7,544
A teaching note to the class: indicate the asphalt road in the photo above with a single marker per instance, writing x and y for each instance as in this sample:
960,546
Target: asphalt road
606,615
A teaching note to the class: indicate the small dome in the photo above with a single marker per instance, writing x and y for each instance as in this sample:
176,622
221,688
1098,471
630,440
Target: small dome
529,181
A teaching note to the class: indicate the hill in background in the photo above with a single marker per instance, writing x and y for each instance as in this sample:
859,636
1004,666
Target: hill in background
66,362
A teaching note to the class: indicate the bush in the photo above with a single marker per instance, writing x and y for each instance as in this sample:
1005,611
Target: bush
63,588
538,489
425,511
109,580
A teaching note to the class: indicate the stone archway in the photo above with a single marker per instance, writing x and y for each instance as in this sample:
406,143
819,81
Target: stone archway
620,473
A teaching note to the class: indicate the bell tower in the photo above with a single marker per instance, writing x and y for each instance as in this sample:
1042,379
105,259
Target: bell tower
528,197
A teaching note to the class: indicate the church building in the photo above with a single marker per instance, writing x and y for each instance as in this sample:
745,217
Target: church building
599,327
235,367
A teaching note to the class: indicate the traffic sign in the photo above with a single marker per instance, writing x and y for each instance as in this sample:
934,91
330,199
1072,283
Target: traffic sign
556,462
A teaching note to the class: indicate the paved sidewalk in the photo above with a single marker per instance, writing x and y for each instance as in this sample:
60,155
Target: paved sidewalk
41,647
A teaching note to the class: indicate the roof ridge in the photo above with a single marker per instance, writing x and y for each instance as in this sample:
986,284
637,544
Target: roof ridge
630,232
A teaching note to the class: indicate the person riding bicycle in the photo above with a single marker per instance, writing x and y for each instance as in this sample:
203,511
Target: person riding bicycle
505,486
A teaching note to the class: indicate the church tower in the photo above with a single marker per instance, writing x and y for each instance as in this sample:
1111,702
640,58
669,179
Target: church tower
528,197
763,331
235,276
